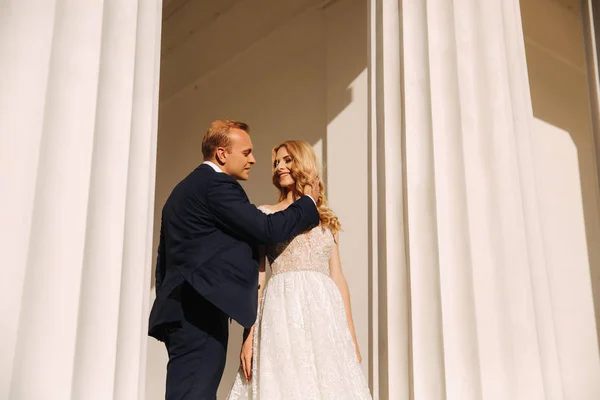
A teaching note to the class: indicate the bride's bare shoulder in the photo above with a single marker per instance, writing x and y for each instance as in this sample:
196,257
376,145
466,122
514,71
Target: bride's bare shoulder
273,208
266,207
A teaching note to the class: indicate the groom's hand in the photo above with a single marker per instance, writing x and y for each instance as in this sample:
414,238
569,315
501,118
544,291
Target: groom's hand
313,189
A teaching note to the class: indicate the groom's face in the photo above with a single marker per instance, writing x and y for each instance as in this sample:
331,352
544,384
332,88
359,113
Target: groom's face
240,158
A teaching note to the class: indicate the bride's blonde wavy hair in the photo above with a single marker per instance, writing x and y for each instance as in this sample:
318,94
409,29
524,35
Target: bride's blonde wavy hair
304,168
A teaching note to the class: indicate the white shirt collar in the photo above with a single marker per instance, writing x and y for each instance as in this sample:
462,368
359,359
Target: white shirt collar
213,166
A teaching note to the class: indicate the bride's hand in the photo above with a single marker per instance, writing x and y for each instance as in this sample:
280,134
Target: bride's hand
358,353
246,355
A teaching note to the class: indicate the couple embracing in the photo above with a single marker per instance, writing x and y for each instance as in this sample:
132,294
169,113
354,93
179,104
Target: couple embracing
299,340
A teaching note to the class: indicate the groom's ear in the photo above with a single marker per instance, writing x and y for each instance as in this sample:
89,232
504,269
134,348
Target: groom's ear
221,155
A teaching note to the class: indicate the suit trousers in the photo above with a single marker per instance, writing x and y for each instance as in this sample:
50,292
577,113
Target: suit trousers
197,352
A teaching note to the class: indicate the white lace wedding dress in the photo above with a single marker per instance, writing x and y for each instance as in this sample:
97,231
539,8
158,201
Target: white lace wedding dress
303,349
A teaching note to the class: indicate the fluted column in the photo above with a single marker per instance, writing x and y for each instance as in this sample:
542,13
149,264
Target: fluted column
390,359
77,153
460,286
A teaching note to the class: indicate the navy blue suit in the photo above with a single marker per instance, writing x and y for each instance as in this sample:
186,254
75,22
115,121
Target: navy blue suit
207,271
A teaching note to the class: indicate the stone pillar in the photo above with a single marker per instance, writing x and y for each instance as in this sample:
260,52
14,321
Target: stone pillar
78,112
461,301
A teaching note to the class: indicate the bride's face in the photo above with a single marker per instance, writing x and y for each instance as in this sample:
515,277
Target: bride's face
283,168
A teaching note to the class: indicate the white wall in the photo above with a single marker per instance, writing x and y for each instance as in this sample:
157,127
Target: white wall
563,225
291,72
567,183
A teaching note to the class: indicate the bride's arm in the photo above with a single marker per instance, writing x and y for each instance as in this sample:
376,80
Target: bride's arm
248,340
335,269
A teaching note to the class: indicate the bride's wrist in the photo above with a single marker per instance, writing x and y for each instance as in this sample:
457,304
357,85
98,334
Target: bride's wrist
248,332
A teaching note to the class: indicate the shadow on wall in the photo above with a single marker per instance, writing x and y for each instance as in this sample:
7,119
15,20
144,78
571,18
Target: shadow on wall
281,83
556,61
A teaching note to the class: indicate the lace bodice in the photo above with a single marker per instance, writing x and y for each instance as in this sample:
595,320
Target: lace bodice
309,251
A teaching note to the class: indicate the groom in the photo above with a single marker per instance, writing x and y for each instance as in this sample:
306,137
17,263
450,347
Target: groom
207,269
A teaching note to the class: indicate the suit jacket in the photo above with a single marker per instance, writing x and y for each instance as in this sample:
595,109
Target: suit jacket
208,235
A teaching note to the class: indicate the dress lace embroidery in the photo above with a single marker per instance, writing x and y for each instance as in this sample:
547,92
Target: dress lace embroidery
309,251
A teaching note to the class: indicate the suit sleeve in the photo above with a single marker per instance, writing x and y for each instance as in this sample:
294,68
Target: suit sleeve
232,210
160,261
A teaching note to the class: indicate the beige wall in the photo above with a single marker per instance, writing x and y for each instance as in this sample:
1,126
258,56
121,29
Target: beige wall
566,176
292,71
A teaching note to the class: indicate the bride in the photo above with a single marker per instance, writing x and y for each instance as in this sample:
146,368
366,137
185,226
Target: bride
303,344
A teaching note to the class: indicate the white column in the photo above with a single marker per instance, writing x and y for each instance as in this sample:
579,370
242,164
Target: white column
390,366
463,302
77,152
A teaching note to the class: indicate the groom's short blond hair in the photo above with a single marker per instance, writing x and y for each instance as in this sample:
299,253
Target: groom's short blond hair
218,135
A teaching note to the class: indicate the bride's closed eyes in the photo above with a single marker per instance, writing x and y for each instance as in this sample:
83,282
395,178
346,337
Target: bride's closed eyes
287,161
